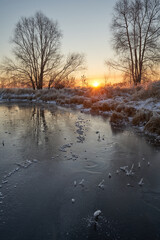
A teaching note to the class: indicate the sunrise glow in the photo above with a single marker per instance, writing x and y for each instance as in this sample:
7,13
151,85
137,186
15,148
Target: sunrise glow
95,84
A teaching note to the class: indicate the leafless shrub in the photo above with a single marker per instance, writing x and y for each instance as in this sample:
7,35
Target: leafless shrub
120,108
77,100
151,90
61,101
94,99
67,101
118,118
95,108
130,111
141,117
87,103
105,107
153,125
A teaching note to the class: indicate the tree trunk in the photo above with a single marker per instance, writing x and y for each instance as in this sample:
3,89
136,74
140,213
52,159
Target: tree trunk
41,79
33,85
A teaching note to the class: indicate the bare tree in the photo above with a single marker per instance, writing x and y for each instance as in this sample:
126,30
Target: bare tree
136,37
36,48
38,61
74,62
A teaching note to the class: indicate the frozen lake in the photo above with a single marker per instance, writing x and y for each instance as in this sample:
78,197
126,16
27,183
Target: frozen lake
58,166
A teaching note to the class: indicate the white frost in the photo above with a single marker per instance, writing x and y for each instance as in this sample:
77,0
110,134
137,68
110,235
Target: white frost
97,213
141,182
81,183
101,185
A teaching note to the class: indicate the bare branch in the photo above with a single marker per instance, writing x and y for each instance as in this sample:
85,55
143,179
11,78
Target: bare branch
136,36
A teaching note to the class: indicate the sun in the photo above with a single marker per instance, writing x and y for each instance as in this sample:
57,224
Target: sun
95,84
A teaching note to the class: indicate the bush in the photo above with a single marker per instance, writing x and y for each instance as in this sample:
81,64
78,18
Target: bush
105,107
120,108
59,85
77,100
95,108
151,90
49,97
87,103
153,125
113,105
118,118
141,117
60,101
130,111
67,101
94,99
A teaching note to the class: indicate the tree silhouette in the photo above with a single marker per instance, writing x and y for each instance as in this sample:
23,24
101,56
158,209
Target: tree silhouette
136,37
36,47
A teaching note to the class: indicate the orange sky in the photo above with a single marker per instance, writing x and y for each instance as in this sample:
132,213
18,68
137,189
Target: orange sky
107,78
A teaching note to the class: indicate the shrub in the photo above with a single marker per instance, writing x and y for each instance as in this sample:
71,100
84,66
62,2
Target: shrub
113,105
59,85
151,90
49,97
105,107
95,108
94,99
60,101
153,125
77,100
141,117
118,118
130,111
67,101
87,103
120,108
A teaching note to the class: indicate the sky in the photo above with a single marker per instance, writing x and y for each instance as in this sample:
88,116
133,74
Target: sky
85,25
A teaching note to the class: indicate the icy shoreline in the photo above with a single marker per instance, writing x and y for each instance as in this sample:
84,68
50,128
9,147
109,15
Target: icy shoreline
138,107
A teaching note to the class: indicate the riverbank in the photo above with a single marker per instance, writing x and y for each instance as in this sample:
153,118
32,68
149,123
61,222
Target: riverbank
124,105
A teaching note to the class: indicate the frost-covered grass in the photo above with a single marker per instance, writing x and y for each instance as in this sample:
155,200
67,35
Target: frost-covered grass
124,104
153,125
150,90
